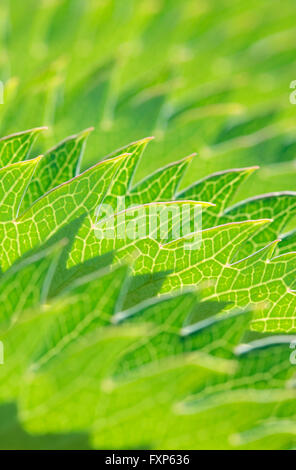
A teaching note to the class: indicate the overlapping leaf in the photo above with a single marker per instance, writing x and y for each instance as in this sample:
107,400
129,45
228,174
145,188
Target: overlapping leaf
107,350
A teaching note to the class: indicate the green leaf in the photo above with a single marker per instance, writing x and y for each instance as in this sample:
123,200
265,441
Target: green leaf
288,242
281,207
14,180
89,349
162,185
210,264
15,148
68,201
92,302
160,221
26,284
180,371
56,167
219,188
122,182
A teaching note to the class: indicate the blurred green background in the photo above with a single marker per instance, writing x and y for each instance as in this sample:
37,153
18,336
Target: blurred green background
205,76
